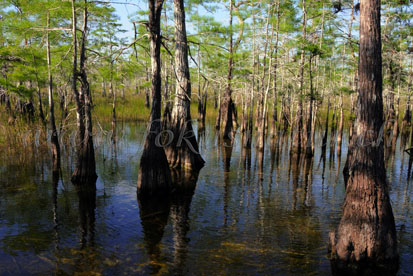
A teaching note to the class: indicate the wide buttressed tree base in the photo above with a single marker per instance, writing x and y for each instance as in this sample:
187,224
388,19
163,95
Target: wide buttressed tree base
85,170
183,153
365,242
228,115
154,176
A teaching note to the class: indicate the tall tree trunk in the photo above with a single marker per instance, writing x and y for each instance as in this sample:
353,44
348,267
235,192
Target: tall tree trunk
277,31
395,133
404,129
341,122
54,136
79,107
114,118
146,89
366,234
297,137
228,113
265,88
391,113
325,136
111,75
340,126
183,151
248,139
85,168
63,106
200,102
154,174
309,144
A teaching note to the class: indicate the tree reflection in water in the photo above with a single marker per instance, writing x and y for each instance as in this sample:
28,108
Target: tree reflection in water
154,214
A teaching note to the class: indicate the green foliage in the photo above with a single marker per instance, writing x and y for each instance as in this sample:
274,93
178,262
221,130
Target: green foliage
112,57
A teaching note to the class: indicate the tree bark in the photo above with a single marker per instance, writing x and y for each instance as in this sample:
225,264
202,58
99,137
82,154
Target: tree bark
275,65
54,136
366,236
405,127
228,113
297,136
183,151
154,176
85,168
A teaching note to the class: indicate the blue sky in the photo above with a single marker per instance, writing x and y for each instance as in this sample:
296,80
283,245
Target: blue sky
125,10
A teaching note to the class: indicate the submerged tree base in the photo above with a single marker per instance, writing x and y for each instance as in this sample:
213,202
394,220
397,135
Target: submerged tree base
183,152
365,241
154,176
85,171
83,175
365,267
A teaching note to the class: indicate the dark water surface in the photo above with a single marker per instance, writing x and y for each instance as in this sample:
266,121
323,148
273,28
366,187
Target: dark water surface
238,219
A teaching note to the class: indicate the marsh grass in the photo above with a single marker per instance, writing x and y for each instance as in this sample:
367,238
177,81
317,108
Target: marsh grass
131,108
21,138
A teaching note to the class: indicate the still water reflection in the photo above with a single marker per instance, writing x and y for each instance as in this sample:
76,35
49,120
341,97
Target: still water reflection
238,216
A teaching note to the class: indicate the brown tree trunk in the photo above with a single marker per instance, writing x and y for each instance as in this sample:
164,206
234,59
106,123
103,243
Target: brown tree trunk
298,135
146,89
297,128
204,105
244,120
262,123
63,106
340,127
249,126
114,118
85,168
183,151
200,98
309,144
366,234
391,113
325,137
154,174
111,74
54,136
228,114
405,127
277,31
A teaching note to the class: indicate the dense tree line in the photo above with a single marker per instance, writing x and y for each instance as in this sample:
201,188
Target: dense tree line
274,68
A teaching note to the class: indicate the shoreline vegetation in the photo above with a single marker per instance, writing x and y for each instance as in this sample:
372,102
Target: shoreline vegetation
277,69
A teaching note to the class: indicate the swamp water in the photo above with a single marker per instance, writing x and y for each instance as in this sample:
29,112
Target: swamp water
237,219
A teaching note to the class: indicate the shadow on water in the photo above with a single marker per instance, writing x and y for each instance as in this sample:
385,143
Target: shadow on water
86,193
226,146
155,212
180,203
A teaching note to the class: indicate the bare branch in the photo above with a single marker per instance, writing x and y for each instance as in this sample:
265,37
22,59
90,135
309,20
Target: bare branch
129,45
